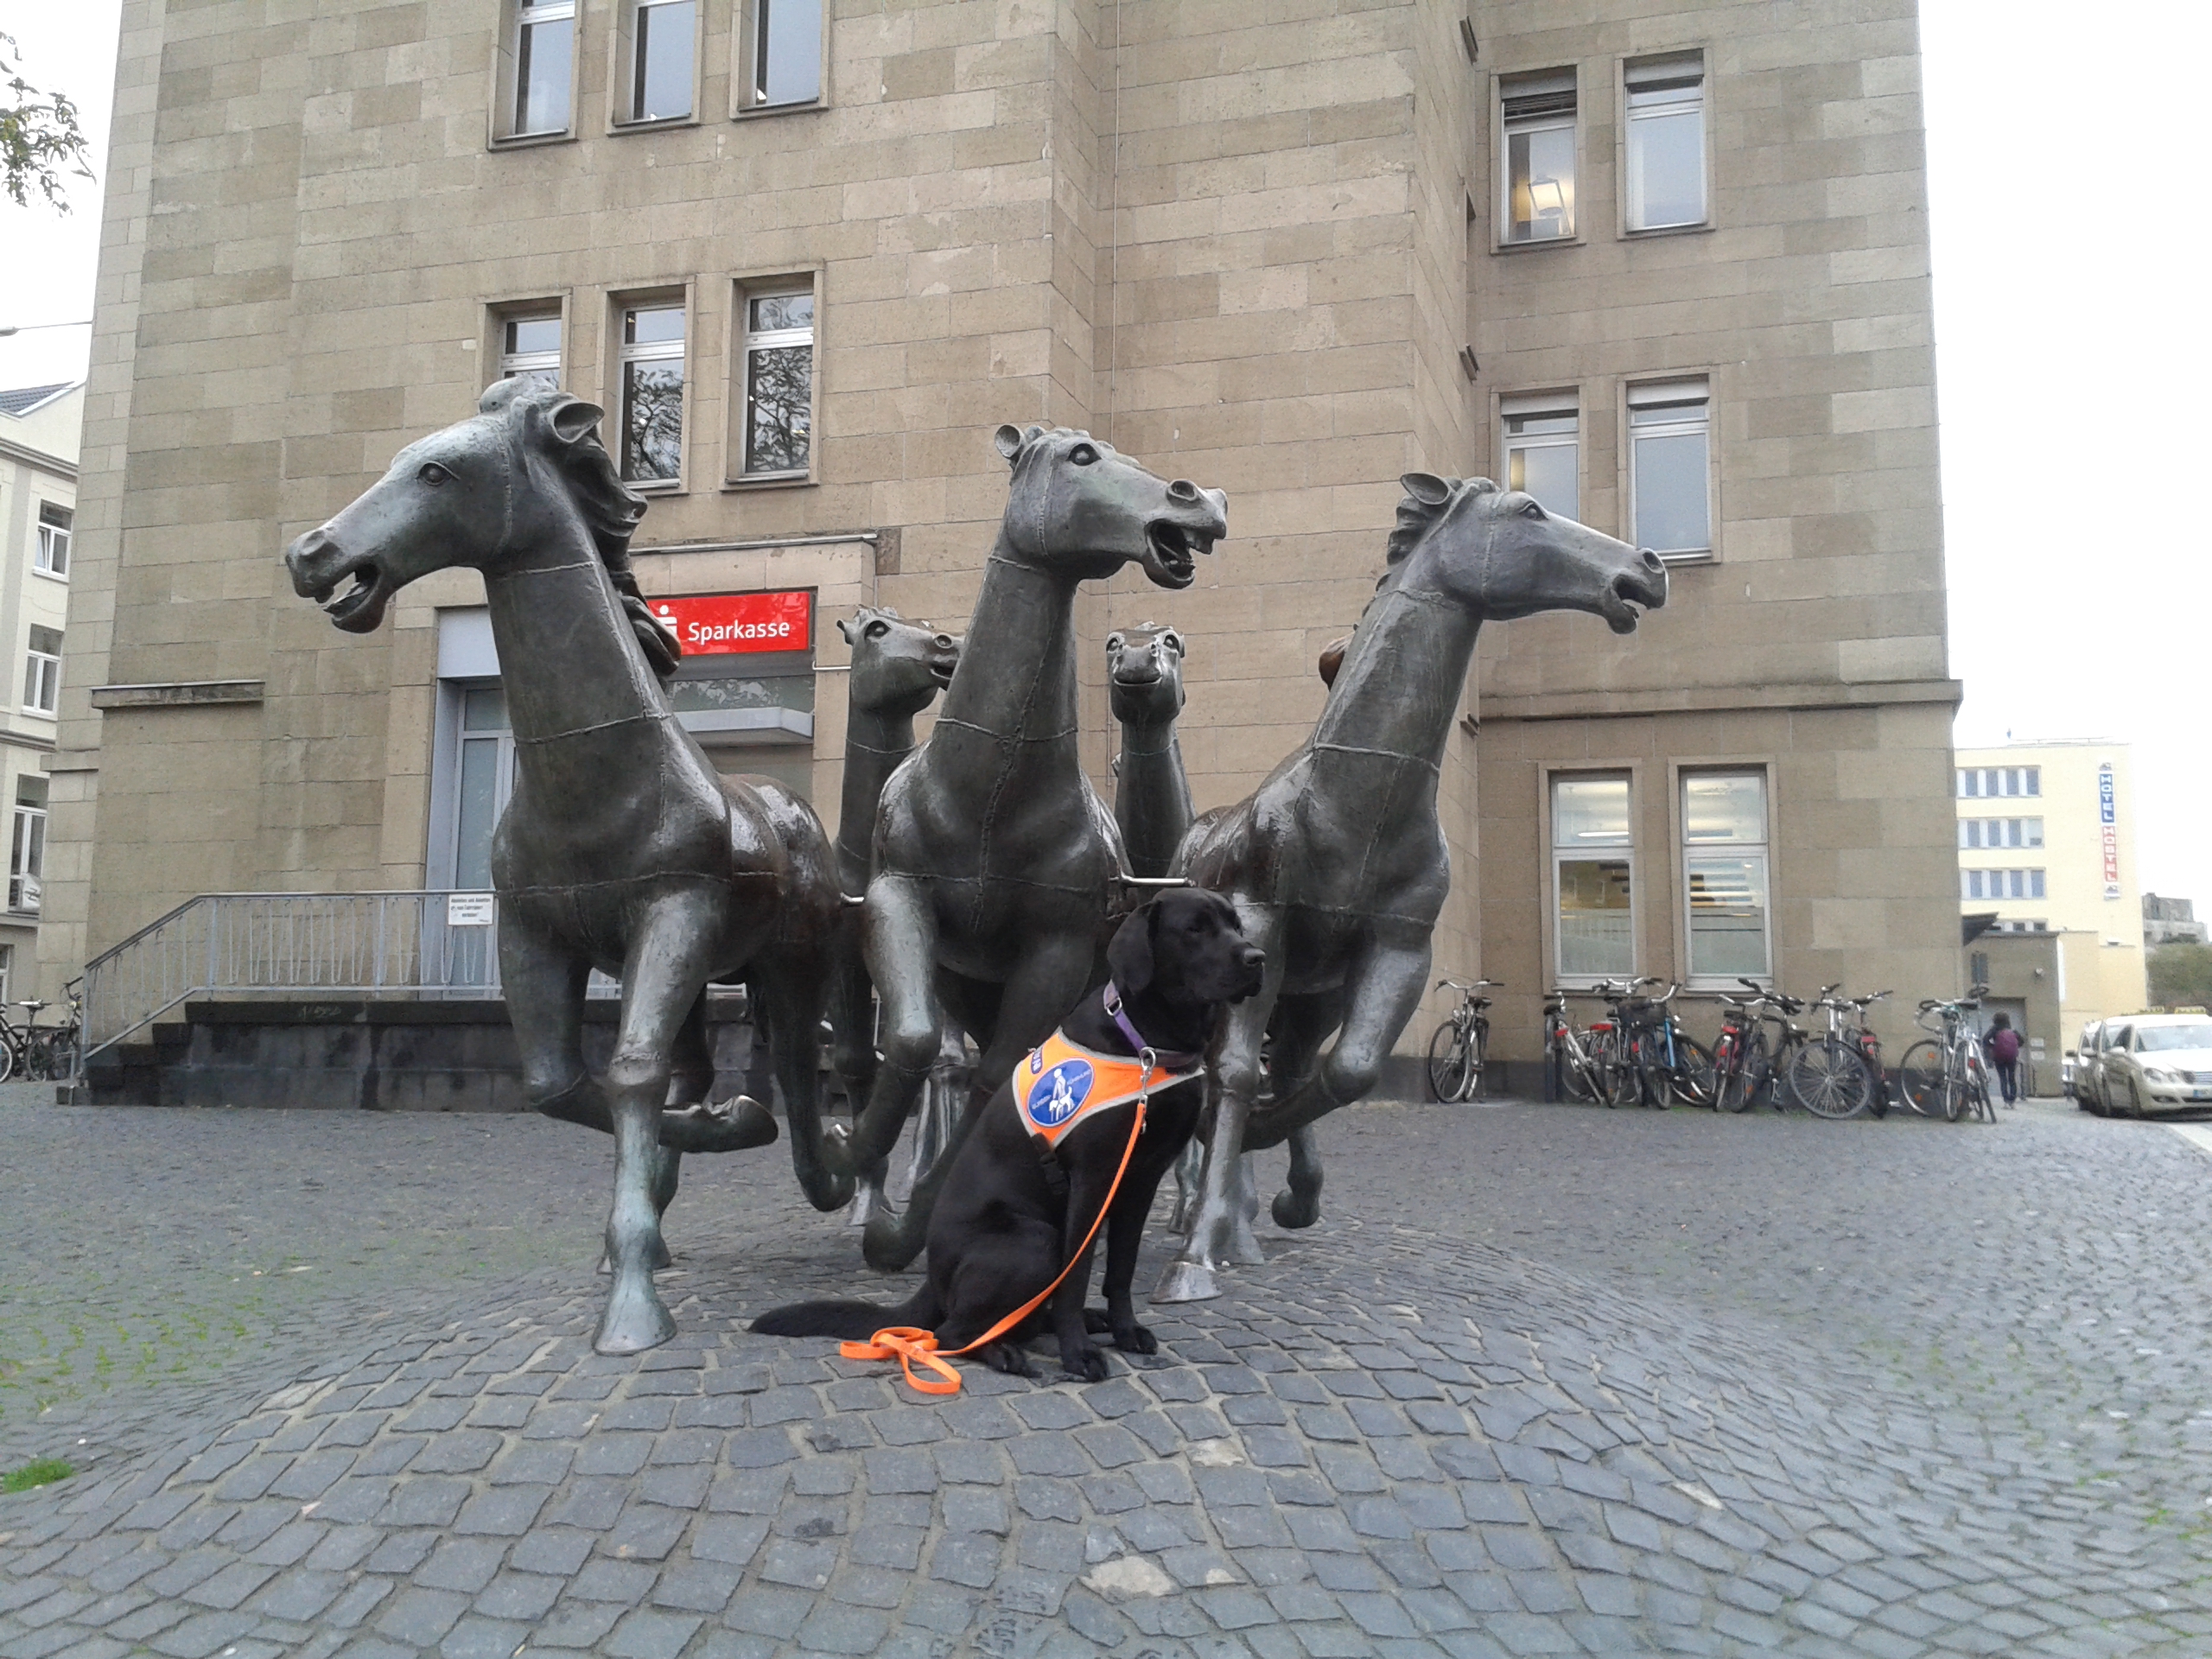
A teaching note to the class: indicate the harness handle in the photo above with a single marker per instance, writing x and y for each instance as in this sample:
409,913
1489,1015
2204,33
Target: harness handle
909,1345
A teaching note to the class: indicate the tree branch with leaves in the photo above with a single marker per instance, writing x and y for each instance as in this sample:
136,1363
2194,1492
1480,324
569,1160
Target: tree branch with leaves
41,144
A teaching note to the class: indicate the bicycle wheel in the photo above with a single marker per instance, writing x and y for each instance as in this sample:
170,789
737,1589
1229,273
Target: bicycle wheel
1447,1063
1479,1057
1955,1090
1830,1080
1920,1077
1623,1082
38,1058
1694,1080
1978,1094
1739,1079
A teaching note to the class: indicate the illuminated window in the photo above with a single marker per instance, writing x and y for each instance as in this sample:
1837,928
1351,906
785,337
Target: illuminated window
1592,859
1538,183
1724,874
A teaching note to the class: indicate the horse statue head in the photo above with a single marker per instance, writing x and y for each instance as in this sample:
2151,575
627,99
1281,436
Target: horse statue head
898,665
525,470
1079,508
1144,675
1501,554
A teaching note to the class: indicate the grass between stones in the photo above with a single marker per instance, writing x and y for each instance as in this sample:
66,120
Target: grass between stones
40,1471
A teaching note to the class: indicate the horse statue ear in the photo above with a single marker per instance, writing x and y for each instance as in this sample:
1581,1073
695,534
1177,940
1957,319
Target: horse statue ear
1426,488
1007,440
573,420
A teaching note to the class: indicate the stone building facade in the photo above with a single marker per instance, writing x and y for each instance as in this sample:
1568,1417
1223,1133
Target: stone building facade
1291,249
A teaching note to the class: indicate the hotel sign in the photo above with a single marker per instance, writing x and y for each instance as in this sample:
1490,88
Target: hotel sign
721,624
2108,817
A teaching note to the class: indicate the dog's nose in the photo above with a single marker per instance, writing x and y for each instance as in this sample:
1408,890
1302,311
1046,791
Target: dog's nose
1254,959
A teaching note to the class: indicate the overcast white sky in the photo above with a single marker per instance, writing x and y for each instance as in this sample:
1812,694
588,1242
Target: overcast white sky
2072,332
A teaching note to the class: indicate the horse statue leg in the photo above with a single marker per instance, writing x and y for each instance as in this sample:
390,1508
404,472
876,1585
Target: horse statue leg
1221,1226
1383,985
1050,974
788,992
1301,1024
852,1047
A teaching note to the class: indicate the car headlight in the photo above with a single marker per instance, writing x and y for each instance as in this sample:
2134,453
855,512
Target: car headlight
2159,1074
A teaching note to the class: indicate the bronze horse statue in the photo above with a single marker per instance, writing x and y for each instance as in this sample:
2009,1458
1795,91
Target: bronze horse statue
1337,863
621,848
897,669
997,864
1152,793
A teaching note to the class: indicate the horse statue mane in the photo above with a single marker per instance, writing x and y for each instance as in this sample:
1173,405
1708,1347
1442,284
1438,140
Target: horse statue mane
609,508
1421,509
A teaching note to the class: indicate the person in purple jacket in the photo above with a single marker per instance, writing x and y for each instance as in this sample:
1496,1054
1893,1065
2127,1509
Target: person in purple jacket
2002,1044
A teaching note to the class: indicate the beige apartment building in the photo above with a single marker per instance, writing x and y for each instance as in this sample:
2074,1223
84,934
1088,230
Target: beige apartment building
2047,846
38,493
1665,266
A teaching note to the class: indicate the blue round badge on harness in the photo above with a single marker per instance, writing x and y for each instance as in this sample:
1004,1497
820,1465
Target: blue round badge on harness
1060,1094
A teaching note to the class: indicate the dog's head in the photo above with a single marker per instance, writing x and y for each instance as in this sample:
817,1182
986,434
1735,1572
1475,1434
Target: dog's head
1186,947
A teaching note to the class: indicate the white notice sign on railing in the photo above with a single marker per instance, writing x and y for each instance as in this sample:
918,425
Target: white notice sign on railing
468,910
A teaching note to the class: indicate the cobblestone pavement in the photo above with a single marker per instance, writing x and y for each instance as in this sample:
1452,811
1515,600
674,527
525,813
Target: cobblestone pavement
1545,1380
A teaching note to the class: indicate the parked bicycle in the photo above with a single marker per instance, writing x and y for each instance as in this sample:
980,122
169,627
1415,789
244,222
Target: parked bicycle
1670,1064
1829,1075
1745,1057
1458,1050
41,1053
1944,1075
1589,1063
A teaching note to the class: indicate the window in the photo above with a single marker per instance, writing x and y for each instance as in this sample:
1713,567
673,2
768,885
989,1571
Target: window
544,58
1665,142
1724,874
54,527
1539,179
27,847
661,35
1980,781
1670,501
778,384
7,970
652,392
1591,859
2000,884
783,47
1542,449
42,673
484,776
530,349
2000,832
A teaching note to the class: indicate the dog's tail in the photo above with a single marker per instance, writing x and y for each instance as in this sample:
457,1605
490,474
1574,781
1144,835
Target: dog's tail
852,1321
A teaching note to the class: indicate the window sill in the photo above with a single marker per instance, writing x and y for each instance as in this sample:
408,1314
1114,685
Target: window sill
655,485
1701,228
61,576
658,124
1538,247
39,714
771,481
1695,556
757,112
534,140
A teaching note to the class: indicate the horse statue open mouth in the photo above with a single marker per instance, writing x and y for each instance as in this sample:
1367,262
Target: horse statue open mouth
621,848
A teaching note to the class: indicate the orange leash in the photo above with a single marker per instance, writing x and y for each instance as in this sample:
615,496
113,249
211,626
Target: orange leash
911,1345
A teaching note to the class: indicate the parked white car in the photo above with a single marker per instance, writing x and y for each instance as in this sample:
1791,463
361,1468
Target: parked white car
2151,1063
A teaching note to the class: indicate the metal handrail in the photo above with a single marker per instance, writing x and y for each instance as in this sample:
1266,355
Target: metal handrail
398,943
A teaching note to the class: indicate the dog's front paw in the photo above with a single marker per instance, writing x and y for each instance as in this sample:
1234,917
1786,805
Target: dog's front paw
1085,1363
1135,1339
1008,1356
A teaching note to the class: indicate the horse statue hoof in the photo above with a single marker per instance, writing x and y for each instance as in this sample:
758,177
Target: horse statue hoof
1294,1210
1186,1281
737,1124
634,1321
884,1246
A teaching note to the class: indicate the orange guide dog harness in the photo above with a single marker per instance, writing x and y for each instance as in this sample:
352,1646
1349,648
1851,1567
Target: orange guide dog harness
1060,1084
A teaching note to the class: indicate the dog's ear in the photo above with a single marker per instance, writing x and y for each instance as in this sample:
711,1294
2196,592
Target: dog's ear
1129,955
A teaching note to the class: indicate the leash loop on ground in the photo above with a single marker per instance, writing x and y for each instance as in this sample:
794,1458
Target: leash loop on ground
907,1343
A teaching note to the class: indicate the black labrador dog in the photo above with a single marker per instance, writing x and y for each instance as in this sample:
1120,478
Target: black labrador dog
1028,1183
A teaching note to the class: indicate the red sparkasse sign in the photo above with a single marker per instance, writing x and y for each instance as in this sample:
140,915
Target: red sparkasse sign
715,625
